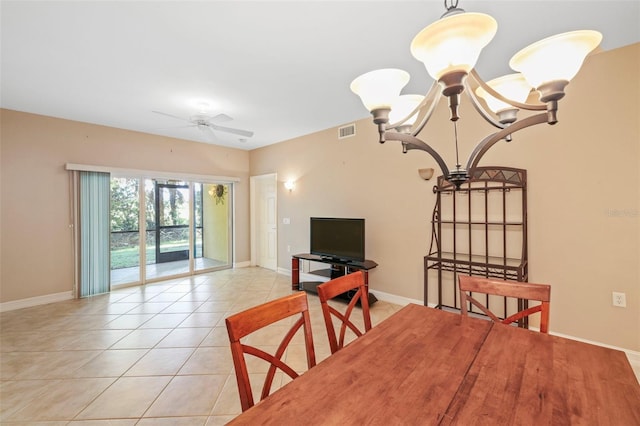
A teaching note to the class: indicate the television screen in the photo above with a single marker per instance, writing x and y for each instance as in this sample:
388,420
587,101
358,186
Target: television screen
337,238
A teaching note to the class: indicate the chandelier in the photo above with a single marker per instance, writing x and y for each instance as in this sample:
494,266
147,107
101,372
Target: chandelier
449,49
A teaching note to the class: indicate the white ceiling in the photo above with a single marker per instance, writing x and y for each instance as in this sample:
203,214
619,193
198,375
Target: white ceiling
281,69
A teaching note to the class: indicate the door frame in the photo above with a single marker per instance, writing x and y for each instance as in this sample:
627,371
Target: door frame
176,254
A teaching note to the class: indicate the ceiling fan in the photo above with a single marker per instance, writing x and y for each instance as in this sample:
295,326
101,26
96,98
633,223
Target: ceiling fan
207,124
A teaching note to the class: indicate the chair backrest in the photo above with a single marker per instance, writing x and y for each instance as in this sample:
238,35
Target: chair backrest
253,319
520,290
354,285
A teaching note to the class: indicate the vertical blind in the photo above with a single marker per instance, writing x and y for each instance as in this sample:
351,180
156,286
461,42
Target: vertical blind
94,233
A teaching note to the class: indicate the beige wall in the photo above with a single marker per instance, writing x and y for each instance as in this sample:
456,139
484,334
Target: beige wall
35,216
584,197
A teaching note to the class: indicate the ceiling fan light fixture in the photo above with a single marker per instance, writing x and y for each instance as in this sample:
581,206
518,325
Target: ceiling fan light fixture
200,119
208,124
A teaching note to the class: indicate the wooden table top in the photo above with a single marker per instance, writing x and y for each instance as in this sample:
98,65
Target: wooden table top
427,366
544,379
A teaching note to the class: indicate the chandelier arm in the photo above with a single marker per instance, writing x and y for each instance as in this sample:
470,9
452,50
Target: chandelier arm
478,106
529,107
411,142
432,98
415,111
490,140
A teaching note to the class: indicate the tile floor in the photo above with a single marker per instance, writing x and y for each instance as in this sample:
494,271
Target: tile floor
152,355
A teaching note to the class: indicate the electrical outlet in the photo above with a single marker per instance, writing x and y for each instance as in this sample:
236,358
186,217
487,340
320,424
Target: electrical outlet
619,299
288,249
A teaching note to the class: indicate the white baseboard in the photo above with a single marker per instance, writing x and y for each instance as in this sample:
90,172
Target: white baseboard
634,360
59,297
303,275
397,300
35,301
633,356
386,297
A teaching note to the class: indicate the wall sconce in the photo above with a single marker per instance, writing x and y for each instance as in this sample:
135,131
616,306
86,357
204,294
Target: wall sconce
426,174
290,185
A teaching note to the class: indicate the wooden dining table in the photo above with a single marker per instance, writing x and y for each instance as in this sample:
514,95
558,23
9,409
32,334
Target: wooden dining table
423,366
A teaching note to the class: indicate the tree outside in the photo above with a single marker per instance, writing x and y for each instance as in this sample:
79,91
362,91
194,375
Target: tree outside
125,211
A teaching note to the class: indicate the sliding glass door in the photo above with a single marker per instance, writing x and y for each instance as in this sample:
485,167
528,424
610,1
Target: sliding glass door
125,230
172,220
170,228
186,228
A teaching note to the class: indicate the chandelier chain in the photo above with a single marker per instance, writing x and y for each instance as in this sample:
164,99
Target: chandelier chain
454,4
455,133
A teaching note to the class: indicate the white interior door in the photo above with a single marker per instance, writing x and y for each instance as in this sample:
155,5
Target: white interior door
266,221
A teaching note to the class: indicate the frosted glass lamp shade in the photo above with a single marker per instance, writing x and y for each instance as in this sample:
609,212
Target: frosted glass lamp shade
453,43
555,58
380,88
403,106
511,86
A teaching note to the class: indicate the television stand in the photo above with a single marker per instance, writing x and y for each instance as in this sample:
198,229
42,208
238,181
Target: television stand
337,269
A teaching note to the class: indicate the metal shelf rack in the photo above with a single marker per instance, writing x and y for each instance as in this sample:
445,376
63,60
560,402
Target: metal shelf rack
479,229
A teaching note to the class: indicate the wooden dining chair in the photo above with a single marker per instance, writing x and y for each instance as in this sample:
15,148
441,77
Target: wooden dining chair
352,284
246,322
521,290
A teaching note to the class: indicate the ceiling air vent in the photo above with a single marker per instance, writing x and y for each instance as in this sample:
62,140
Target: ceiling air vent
347,131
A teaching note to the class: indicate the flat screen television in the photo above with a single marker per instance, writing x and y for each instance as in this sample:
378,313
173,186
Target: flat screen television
337,238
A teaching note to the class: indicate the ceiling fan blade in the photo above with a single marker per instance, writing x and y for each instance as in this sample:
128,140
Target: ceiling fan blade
239,132
172,116
220,118
177,127
209,133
